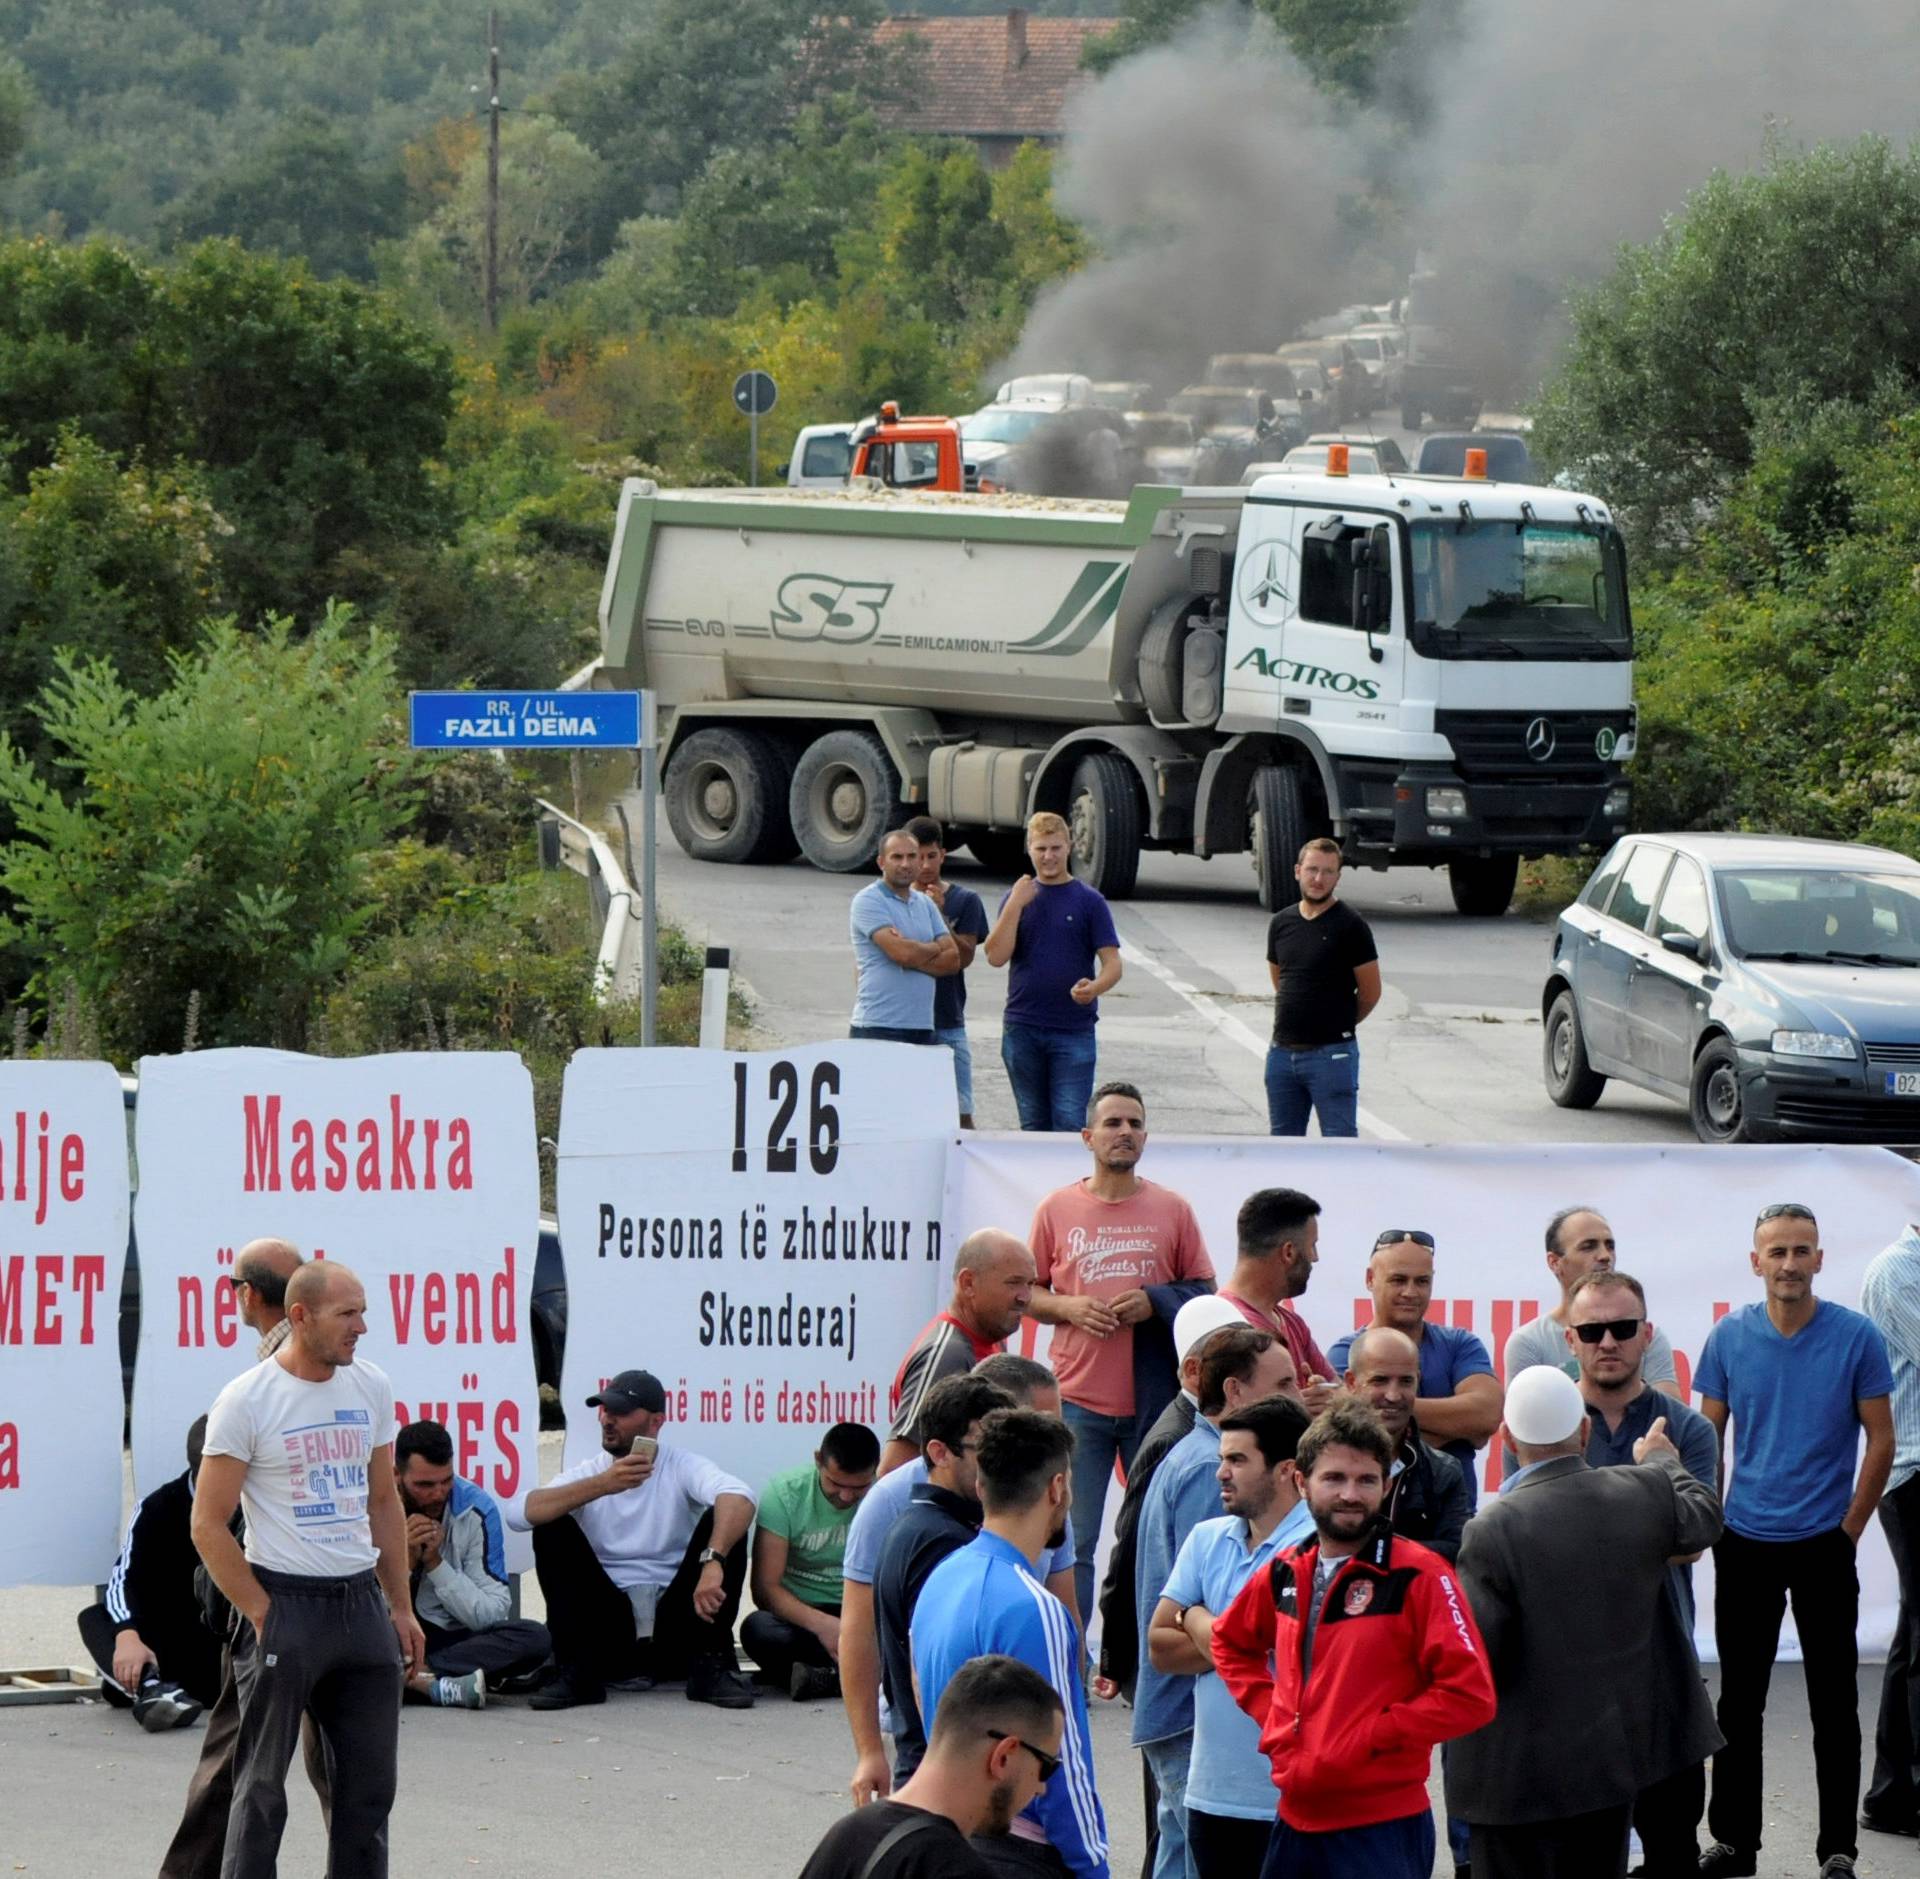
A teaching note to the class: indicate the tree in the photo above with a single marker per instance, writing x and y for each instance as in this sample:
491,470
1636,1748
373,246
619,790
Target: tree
1343,43
216,837
16,107
1798,285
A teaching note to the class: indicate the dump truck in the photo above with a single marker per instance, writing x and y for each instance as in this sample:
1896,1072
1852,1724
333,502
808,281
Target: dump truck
1433,670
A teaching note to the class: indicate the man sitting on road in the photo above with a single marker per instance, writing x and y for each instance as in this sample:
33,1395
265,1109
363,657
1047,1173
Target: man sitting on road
641,1553
155,1653
805,1516
458,1558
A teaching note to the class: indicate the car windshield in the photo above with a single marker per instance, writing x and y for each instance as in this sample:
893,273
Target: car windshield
1365,348
1211,409
1508,460
1003,427
827,456
1519,590
1822,914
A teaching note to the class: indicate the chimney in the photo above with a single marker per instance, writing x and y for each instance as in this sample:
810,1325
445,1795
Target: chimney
1016,38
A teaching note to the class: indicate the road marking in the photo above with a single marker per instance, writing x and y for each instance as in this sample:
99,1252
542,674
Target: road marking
1206,1007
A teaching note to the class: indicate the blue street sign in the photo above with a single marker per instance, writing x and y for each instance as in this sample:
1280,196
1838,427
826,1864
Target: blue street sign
526,720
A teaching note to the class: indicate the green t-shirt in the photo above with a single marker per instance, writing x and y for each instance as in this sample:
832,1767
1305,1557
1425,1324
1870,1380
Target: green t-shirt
815,1531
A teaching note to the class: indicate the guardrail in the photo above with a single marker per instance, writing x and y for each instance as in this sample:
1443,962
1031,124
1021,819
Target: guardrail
571,844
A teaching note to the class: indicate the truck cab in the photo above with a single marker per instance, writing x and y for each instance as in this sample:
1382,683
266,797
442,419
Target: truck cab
908,453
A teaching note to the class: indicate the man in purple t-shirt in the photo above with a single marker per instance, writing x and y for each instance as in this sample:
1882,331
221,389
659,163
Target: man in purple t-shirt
1057,936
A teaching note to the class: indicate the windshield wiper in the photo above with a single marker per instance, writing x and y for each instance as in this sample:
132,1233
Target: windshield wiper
1793,958
1872,959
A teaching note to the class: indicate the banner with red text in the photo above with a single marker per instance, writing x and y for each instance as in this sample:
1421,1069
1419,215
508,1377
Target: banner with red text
761,1231
417,1170
63,1249
1683,1218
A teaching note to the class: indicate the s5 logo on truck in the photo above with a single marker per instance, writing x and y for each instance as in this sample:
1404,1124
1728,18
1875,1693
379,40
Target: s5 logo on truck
822,606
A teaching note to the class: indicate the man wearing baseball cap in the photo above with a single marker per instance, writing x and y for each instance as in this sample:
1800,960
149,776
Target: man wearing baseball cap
641,1553
1549,1784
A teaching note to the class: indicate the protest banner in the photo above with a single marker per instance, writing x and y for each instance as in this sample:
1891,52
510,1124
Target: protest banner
1683,1218
63,1249
762,1231
418,1170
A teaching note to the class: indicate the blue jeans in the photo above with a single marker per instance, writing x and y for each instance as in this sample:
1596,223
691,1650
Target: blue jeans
1326,1079
1391,1849
1097,1442
1169,1759
956,1041
1051,1073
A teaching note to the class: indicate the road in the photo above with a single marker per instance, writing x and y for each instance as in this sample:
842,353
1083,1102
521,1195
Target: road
1451,1055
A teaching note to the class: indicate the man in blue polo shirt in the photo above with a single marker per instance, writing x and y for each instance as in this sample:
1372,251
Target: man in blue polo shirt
1799,1378
1230,1798
900,946
1460,1398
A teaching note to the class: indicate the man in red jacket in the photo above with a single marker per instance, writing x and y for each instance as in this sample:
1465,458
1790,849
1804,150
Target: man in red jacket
1355,1654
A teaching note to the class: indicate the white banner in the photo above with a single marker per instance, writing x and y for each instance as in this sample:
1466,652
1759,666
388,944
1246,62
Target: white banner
1683,1218
417,1170
761,1231
63,1249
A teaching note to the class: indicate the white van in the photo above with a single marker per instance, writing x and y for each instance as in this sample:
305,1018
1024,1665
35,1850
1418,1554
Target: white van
822,455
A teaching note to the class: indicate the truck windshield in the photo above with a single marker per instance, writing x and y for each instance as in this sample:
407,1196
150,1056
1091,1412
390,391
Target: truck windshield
1519,590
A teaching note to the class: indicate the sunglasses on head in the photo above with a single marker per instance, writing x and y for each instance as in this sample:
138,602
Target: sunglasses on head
1622,1329
1049,1764
1396,1234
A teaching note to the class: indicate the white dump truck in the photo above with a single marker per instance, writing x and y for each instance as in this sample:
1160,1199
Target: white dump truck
1434,670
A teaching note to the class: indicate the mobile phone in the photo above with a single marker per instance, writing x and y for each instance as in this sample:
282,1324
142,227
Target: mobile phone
644,1445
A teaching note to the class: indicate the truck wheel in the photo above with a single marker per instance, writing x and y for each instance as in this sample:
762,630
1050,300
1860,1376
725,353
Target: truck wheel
1103,812
1001,851
842,802
1483,884
1278,826
1572,1082
1161,673
726,797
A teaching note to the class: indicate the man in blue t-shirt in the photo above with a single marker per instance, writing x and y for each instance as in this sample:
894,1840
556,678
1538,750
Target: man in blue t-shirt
1460,1398
1799,1378
1058,938
966,917
901,946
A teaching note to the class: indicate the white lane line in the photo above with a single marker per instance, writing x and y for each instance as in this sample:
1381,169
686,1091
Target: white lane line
1209,1010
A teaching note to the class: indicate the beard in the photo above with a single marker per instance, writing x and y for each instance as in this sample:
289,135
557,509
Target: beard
1342,1523
1000,1810
1058,1537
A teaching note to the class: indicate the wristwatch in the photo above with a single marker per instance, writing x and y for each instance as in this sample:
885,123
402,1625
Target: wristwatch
710,1558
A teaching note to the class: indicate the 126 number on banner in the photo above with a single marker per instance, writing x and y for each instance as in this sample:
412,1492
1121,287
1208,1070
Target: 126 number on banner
783,1092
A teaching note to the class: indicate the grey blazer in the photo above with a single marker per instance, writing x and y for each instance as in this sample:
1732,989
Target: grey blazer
1600,1692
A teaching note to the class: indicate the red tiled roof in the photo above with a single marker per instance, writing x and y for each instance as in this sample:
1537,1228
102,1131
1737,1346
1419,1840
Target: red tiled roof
973,80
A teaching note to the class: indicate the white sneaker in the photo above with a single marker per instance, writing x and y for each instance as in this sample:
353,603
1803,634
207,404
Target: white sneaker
468,1692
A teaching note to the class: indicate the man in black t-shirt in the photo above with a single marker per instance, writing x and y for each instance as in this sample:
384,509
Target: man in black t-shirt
996,1740
966,916
1326,978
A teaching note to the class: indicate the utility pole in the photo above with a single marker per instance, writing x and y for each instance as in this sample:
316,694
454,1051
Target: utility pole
493,170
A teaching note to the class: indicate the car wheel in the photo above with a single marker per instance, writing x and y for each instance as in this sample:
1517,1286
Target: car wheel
1572,1082
1714,1099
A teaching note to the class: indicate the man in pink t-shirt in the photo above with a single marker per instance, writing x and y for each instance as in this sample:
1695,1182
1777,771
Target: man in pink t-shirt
1115,1257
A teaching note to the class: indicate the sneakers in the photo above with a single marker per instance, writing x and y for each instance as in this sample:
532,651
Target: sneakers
1837,1866
567,1691
1878,1823
809,1680
161,1706
638,1684
1720,1861
714,1680
468,1692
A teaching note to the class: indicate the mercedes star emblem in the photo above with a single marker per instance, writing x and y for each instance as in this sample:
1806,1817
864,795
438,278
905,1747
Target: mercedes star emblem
1539,740
1266,586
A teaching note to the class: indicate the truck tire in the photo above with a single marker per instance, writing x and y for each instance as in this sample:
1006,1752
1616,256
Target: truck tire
1483,884
1103,812
1001,851
844,796
1279,824
1572,1082
726,794
1162,648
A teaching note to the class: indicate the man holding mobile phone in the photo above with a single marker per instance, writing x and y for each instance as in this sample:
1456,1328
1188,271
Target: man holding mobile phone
641,1558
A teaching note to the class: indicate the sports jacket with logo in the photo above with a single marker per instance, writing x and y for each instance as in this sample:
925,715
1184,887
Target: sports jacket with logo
1397,1666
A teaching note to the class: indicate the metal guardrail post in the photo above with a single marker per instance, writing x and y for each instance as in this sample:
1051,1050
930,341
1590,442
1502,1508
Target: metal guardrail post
713,999
649,841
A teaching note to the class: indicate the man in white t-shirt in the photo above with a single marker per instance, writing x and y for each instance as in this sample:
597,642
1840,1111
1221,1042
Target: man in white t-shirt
641,1552
303,1441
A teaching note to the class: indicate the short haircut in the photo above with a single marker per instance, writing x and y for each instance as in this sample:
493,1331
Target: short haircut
1601,1281
1362,1344
429,1440
312,1283
1020,1452
993,1694
1561,1218
1319,845
1114,1089
1047,823
955,1404
926,831
257,1269
196,1444
1021,1377
897,835
1271,1216
1347,1423
1276,1422
851,1447
1230,1353
978,1251
1784,1210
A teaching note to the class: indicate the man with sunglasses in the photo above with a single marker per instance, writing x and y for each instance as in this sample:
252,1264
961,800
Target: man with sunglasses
1458,1407
1799,1378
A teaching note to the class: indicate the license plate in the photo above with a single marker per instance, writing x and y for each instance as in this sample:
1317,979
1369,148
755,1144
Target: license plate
1903,1082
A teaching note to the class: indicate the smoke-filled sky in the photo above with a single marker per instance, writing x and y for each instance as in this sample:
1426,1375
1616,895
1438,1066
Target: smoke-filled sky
1213,172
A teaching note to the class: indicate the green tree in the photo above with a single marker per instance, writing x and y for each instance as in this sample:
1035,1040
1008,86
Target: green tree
215,838
16,108
1343,43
